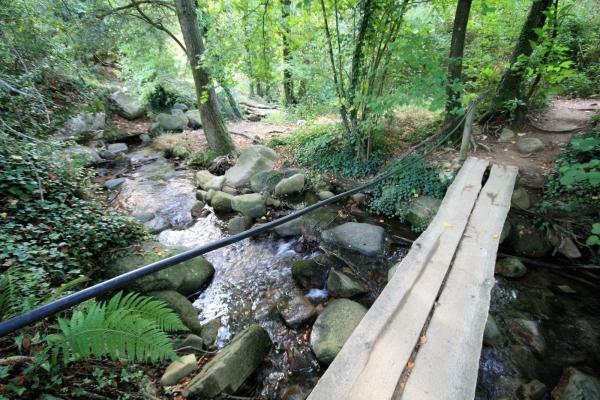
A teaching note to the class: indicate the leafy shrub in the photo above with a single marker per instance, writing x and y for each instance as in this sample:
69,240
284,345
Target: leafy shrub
51,232
324,148
131,327
161,98
413,177
202,159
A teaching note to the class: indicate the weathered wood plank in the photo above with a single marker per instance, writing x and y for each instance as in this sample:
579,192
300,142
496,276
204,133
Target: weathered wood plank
372,360
446,365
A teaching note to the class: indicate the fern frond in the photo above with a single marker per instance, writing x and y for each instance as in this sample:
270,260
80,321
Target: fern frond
10,299
125,327
148,308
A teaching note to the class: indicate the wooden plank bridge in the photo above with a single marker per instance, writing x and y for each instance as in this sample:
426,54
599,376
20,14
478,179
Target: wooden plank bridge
422,338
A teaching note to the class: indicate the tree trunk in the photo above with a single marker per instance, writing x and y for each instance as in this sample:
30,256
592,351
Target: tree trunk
457,46
214,128
511,85
232,103
288,83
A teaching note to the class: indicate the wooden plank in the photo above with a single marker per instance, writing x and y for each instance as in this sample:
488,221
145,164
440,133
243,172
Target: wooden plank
372,360
446,365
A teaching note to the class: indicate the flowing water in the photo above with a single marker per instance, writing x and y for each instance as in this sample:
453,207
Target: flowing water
253,277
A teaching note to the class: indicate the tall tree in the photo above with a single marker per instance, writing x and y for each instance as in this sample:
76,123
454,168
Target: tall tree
457,46
288,83
511,86
216,133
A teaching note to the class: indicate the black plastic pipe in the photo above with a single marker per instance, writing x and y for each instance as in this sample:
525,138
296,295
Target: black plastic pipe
109,285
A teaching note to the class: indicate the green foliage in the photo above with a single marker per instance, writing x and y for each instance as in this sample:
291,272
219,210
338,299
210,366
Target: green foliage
324,148
202,159
131,327
51,231
413,177
161,98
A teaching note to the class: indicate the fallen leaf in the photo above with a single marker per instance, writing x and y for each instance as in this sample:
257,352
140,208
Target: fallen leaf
410,365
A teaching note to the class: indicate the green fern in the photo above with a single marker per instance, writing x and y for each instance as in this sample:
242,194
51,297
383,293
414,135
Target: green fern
129,327
11,302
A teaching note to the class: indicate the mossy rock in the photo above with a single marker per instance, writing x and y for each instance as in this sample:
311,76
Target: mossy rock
182,307
187,277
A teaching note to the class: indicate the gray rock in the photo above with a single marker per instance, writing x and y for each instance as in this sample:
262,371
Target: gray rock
238,224
575,385
290,228
84,126
221,201
267,180
126,105
182,307
210,333
534,390
210,194
250,205
363,238
187,277
156,224
421,210
117,148
528,240
202,195
144,138
506,136
230,190
179,369
491,333
511,267
194,120
293,184
298,311
197,209
358,198
333,327
530,145
215,183
108,155
179,106
313,273
341,285
568,248
230,368
520,199
202,178
83,155
527,332
325,194
190,342
251,161
172,122
143,217
114,183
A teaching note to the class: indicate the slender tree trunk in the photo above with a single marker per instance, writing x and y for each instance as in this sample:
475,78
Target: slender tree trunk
232,103
457,46
216,133
288,83
511,85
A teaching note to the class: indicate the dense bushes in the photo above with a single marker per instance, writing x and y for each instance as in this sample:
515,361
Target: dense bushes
51,232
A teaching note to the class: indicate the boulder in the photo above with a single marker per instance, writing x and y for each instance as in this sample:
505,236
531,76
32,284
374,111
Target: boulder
230,368
528,240
575,385
568,248
84,126
126,105
215,183
202,195
267,180
194,120
491,333
238,224
202,178
527,332
172,122
182,307
421,210
363,238
190,342
313,273
333,327
520,199
325,194
297,311
530,145
251,161
179,369
293,184
187,277
221,202
290,228
210,332
117,148
83,155
534,390
114,183
506,136
156,224
341,285
197,209
250,205
179,106
144,138
511,267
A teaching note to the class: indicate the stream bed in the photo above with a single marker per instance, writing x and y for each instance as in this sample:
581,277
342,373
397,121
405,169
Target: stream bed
253,277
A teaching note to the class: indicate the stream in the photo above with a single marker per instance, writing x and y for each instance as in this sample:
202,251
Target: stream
253,276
